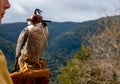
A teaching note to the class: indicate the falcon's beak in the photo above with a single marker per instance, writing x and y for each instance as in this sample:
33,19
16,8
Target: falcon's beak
28,19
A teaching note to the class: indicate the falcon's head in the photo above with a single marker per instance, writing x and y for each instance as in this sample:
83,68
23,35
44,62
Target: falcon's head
35,18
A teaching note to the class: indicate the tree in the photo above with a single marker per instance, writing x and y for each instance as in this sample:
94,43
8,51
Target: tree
73,72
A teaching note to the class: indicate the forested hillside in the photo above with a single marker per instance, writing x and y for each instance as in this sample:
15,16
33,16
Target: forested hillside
9,50
98,62
65,39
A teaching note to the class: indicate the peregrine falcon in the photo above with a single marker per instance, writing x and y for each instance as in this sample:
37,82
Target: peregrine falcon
31,42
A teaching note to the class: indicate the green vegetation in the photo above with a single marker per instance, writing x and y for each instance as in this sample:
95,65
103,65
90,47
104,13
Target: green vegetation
83,54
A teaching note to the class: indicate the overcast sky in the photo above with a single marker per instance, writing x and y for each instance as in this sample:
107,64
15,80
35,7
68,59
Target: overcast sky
62,10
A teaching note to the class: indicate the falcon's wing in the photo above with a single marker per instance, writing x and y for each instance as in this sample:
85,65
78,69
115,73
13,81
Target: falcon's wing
21,41
47,32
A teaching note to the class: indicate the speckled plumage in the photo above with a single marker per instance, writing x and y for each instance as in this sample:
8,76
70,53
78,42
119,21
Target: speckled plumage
31,43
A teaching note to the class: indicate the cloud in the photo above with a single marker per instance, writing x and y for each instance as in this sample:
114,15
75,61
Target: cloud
18,9
61,10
